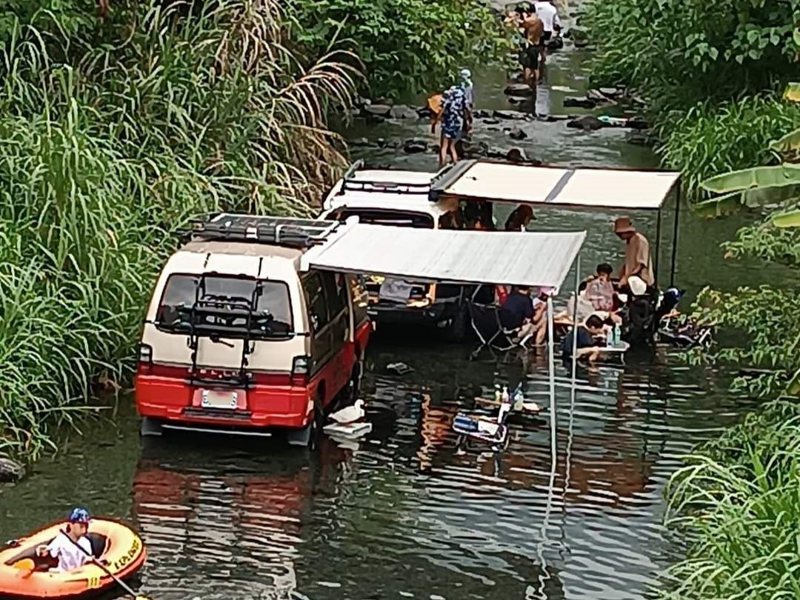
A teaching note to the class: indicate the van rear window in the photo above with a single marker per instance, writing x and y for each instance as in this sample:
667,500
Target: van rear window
389,217
220,306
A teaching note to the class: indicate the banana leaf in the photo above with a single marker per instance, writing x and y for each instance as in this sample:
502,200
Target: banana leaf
787,219
720,206
756,177
792,93
788,143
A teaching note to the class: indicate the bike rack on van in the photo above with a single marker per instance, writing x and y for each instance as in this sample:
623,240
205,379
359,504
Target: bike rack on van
206,305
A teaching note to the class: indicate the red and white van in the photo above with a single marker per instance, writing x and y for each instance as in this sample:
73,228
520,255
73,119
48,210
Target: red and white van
237,339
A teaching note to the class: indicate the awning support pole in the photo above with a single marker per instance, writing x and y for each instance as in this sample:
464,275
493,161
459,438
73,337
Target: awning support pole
675,235
575,327
658,247
552,372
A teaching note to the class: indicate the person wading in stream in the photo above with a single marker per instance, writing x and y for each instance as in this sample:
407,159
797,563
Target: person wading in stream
548,14
454,116
532,30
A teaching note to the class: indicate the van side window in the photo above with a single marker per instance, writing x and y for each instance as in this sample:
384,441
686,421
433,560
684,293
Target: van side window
336,292
315,299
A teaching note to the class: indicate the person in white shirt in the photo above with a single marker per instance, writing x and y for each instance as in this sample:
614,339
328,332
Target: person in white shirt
71,547
548,13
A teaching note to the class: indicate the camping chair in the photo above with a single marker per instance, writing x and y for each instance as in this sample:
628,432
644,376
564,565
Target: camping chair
487,323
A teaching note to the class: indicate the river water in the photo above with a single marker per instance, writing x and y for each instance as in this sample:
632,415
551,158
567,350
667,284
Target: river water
403,514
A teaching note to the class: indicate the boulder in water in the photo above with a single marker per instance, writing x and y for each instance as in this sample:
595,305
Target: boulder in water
403,112
377,110
490,121
517,134
611,92
509,115
481,114
516,155
475,149
415,146
587,123
10,470
519,90
572,102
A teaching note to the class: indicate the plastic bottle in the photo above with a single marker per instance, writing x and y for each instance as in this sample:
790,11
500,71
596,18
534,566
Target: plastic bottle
504,397
497,394
616,335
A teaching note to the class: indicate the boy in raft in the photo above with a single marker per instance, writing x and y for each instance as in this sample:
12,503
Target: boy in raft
74,552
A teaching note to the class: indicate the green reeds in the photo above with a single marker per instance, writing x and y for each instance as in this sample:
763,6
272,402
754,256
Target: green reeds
111,141
738,503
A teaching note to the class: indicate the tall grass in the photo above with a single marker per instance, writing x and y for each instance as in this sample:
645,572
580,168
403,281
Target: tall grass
738,502
112,138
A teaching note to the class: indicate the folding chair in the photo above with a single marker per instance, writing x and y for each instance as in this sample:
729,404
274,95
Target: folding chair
487,323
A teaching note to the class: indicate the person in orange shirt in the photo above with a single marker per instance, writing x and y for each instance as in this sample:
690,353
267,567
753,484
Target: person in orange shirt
637,253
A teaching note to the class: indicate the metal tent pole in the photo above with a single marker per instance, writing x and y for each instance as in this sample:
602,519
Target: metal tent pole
575,325
552,372
675,235
658,247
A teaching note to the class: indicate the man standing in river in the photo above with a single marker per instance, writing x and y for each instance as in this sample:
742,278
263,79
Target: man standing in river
637,253
532,29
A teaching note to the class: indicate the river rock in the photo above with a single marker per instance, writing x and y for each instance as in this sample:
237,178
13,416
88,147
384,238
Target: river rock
517,134
518,77
508,115
360,142
475,149
377,110
556,43
403,112
490,121
518,89
415,145
518,101
10,470
516,155
481,114
573,102
611,92
587,123
637,123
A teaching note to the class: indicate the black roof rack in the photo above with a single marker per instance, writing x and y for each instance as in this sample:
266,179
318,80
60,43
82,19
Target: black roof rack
350,184
276,231
447,177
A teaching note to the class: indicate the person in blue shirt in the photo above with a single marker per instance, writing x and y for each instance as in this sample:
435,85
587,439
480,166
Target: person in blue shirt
518,308
586,345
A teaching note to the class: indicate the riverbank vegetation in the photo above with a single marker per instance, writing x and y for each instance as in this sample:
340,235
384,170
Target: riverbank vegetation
717,79
712,73
407,47
115,130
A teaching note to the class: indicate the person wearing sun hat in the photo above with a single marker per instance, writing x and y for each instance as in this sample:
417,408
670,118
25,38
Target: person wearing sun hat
637,253
74,552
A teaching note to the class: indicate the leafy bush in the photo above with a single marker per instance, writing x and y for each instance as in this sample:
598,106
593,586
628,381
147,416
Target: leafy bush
406,46
678,53
711,139
106,148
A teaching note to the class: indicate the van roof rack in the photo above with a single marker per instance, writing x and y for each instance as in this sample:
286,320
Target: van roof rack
276,231
351,184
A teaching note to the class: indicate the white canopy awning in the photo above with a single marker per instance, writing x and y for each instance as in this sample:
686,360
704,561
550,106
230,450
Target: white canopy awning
592,188
526,258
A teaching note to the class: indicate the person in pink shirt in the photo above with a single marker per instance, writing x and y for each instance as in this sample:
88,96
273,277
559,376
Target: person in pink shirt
600,290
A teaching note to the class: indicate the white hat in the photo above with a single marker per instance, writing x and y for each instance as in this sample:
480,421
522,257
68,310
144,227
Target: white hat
637,285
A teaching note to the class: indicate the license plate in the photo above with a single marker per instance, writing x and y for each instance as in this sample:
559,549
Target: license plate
216,399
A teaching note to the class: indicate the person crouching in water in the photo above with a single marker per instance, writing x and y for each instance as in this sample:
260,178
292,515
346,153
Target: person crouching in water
71,547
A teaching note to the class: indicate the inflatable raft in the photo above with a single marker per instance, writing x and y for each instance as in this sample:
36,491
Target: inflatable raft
24,575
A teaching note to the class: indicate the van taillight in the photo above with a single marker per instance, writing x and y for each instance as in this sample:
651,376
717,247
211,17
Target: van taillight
301,369
146,354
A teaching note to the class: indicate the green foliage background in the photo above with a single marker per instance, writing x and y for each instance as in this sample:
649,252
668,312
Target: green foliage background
406,46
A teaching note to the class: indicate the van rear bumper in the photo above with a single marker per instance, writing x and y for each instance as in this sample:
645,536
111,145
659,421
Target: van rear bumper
170,401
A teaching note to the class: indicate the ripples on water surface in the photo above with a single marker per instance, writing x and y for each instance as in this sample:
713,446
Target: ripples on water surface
404,515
